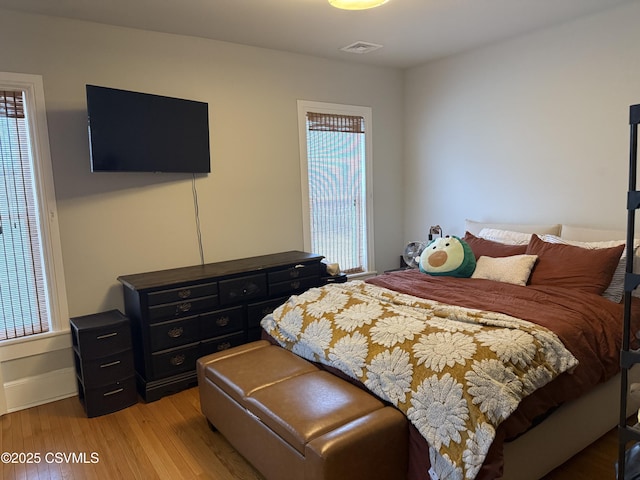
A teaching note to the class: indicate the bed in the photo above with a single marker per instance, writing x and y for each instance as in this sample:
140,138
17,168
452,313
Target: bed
501,375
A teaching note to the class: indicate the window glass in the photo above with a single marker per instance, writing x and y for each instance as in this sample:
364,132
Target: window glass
335,163
29,293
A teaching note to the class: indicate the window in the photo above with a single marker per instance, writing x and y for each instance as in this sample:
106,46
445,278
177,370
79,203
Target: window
335,164
31,280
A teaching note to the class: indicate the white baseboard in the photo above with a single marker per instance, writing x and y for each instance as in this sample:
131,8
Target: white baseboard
40,389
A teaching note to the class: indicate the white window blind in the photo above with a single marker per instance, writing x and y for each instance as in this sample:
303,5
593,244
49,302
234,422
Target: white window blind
336,175
23,299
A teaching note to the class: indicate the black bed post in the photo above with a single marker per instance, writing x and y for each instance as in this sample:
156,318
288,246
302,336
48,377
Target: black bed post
632,280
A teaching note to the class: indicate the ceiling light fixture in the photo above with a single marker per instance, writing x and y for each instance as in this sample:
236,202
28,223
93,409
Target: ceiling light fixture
356,4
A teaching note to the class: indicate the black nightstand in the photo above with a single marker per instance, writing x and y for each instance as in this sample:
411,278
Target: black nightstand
104,362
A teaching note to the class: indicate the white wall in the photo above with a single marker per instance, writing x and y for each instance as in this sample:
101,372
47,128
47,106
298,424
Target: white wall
250,204
534,129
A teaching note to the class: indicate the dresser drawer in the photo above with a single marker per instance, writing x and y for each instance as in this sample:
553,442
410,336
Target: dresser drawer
182,309
99,342
176,360
254,334
108,398
222,343
292,286
257,311
242,288
105,370
174,333
214,324
297,271
181,294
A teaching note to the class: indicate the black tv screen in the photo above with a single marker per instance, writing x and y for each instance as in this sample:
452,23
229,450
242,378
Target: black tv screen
141,132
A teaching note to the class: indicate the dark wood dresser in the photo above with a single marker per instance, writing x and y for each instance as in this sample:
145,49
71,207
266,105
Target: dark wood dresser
181,314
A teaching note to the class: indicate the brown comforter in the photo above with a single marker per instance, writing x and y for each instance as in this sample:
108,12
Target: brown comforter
589,325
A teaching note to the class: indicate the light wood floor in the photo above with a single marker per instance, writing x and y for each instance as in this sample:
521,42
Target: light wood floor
169,439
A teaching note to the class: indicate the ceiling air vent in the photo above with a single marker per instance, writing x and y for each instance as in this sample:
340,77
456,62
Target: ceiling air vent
361,47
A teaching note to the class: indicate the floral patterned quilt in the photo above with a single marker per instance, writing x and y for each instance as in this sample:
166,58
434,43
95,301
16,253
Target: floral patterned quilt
455,372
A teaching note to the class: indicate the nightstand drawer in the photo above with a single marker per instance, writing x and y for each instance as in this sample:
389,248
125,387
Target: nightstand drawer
181,294
174,333
176,360
108,398
100,340
182,309
243,288
214,324
105,370
297,271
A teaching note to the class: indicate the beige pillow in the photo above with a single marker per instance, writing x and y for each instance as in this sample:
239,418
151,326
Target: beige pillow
584,234
475,227
508,237
514,269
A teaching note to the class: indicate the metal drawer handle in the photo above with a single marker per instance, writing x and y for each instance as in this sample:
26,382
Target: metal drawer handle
294,273
186,293
177,360
113,392
175,332
183,307
222,321
110,364
224,346
106,335
295,285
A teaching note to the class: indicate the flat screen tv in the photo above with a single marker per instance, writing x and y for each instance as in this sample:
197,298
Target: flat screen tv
141,132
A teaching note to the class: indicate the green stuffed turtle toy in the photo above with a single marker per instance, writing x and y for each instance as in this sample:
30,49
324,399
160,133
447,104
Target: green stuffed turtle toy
449,256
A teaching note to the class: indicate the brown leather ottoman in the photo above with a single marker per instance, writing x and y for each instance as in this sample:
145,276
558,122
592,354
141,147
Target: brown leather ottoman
294,421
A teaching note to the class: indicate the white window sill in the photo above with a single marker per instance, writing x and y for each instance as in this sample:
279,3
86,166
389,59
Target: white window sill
34,345
362,275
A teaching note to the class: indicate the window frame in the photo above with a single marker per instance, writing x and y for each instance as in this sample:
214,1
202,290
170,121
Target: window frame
57,337
305,106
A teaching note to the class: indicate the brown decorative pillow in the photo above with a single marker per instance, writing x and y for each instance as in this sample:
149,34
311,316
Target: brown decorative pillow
571,266
489,248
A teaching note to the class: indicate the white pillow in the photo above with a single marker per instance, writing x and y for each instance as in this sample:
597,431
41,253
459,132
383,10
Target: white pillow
507,237
474,227
514,269
615,290
576,243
